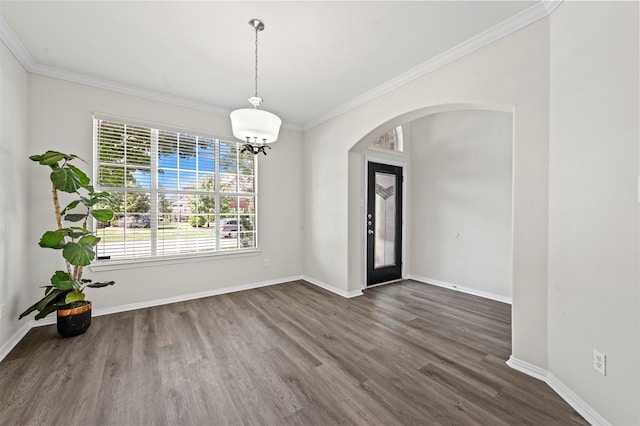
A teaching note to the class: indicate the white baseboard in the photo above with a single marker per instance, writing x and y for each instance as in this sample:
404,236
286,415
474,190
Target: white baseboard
14,340
528,369
577,403
461,289
336,290
191,296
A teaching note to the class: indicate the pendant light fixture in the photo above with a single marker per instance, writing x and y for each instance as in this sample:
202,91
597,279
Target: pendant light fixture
255,126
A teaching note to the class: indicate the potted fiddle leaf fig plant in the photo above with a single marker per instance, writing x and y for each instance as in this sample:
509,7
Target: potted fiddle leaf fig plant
76,243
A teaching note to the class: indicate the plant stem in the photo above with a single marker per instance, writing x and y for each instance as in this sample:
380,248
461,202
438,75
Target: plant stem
77,273
56,206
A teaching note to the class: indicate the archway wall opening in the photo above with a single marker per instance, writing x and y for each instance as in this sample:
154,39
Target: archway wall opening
501,76
459,203
457,161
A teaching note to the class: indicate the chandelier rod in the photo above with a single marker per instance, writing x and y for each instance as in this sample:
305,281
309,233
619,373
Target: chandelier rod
256,30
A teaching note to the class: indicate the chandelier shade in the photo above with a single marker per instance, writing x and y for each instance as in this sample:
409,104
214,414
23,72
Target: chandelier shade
255,126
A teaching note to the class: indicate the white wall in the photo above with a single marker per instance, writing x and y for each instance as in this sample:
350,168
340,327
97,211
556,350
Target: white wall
594,270
60,119
14,270
459,201
512,72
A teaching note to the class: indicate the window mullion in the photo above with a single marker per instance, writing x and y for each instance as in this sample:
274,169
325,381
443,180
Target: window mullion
126,194
237,198
216,188
153,193
255,201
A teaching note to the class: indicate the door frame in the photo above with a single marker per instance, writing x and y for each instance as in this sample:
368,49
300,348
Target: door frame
399,162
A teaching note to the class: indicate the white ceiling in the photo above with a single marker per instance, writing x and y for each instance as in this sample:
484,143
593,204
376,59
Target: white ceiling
315,57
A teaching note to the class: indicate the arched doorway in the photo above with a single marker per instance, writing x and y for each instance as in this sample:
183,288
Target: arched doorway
484,234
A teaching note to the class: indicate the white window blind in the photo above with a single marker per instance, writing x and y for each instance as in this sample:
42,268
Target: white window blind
173,193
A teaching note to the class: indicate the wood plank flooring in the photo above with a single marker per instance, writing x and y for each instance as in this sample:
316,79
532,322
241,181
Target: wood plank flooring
405,353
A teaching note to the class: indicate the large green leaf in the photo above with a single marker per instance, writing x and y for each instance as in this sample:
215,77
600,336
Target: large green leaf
53,239
70,206
76,231
65,179
68,285
48,299
52,157
89,201
52,307
29,310
79,253
101,284
84,179
102,215
73,296
90,239
59,277
75,217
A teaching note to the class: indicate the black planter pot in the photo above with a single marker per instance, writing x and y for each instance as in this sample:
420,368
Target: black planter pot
74,321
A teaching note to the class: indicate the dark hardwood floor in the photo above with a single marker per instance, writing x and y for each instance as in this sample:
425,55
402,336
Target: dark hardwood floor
405,353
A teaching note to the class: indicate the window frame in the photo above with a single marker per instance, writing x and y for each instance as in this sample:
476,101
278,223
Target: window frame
398,135
154,190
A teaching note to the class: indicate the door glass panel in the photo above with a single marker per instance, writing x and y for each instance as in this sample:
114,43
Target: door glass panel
385,226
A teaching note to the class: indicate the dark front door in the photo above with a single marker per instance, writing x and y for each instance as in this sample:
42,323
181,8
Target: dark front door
384,223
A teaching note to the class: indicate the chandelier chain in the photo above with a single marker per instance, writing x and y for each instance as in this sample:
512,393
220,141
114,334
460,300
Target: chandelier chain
256,95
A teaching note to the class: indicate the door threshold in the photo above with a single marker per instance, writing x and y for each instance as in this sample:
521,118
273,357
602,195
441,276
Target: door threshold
384,283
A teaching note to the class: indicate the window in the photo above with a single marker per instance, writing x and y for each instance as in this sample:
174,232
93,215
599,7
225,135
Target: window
390,141
173,193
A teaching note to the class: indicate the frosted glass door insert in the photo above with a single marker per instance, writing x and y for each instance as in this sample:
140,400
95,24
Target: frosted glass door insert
385,227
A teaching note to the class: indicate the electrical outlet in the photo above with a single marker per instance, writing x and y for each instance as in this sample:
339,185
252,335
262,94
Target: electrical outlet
266,262
600,362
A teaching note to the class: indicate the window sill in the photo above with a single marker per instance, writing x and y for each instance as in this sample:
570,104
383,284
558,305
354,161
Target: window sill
112,265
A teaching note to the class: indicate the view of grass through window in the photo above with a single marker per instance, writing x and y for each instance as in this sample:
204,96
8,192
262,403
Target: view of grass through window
173,193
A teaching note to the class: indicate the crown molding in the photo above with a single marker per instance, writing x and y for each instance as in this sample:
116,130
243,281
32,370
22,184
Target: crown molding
128,89
551,5
503,29
513,24
16,47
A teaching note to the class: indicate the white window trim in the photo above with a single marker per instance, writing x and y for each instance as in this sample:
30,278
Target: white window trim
116,264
